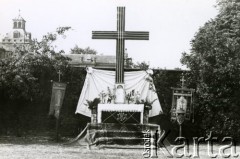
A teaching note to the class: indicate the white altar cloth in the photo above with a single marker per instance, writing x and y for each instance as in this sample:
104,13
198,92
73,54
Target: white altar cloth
99,80
119,108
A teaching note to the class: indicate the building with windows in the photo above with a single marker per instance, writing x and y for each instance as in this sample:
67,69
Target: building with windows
17,40
97,61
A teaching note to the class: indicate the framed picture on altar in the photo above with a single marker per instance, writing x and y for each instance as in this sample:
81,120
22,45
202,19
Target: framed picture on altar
119,93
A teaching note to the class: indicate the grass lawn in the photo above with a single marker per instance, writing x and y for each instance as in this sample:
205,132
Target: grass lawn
42,148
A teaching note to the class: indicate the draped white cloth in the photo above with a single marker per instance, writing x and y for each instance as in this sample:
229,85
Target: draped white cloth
99,80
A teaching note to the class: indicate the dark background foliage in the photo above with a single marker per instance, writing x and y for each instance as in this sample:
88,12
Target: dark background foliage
214,61
25,87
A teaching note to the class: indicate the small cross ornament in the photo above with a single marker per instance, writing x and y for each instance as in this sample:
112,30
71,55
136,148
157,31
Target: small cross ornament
59,75
183,81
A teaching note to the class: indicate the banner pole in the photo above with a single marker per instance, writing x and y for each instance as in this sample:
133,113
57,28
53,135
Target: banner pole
57,129
57,119
180,130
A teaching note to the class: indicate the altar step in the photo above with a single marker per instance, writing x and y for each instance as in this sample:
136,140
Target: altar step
119,134
118,141
122,127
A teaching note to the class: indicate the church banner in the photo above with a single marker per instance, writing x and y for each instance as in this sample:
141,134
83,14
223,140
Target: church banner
58,92
182,102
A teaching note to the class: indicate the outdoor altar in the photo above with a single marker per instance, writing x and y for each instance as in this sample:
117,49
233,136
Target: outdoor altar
119,102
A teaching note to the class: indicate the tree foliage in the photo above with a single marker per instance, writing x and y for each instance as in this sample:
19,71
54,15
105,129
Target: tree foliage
20,75
142,65
27,79
45,45
78,50
214,61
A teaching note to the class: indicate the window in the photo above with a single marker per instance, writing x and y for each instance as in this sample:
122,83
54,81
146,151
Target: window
15,25
16,34
19,24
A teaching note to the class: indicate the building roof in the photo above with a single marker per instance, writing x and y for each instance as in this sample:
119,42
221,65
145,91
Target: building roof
19,18
97,61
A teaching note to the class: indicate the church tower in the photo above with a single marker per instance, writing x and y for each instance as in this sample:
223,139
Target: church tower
19,23
17,40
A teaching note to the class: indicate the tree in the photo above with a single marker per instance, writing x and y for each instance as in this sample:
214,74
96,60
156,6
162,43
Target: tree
45,46
26,79
142,65
214,61
78,50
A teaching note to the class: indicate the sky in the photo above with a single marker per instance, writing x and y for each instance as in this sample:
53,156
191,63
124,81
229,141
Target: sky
171,24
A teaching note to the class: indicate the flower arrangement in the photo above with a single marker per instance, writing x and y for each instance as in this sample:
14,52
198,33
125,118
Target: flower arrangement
111,96
106,96
130,98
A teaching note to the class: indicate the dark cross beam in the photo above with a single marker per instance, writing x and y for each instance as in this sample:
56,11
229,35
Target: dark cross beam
120,36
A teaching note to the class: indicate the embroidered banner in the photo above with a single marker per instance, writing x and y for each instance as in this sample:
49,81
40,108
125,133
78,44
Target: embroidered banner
58,92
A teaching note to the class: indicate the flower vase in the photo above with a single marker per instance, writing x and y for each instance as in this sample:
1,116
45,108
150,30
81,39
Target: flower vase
146,114
94,115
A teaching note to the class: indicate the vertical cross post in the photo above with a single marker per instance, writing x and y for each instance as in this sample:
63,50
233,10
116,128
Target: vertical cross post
119,78
59,75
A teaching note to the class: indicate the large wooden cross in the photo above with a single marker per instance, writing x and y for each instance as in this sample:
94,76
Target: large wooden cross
120,36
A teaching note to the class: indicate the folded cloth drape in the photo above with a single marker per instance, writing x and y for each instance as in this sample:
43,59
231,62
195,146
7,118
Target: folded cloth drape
98,81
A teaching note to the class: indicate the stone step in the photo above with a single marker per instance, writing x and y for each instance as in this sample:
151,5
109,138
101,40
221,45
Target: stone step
117,133
120,134
122,127
123,141
119,141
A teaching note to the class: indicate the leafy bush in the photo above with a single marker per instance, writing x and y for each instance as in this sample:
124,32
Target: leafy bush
215,71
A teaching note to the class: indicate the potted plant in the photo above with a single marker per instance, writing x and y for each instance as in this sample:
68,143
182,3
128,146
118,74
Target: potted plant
92,105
